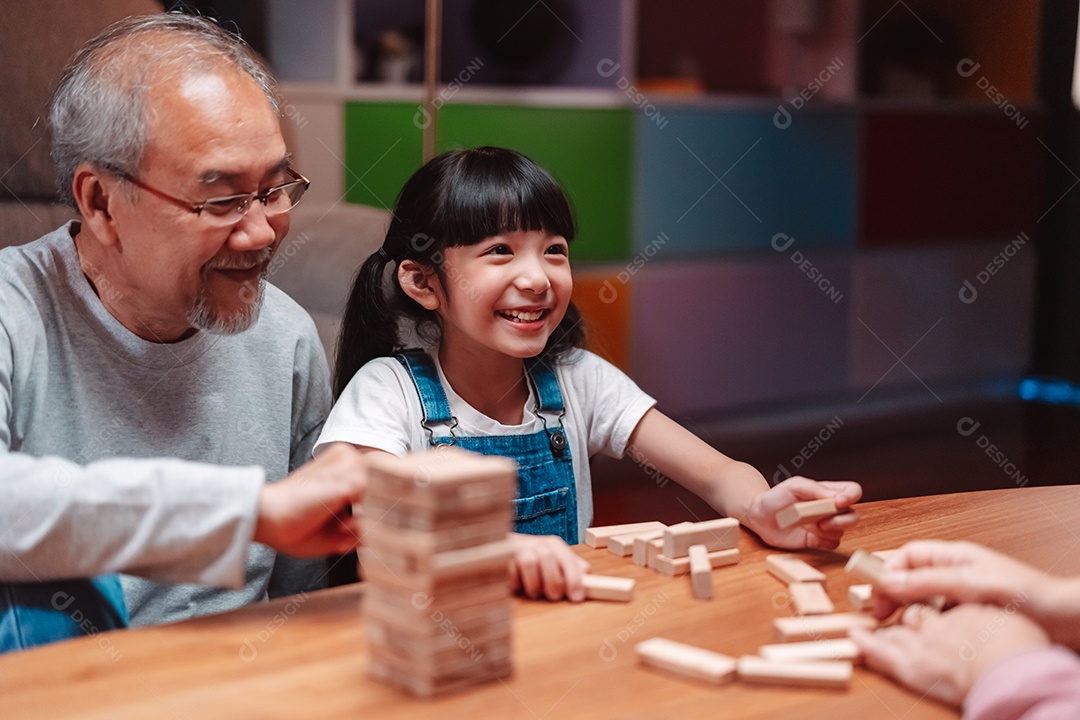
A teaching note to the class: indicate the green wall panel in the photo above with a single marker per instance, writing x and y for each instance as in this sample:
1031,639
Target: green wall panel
383,147
588,150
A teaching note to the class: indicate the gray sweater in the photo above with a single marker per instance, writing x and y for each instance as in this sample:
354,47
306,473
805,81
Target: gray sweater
200,425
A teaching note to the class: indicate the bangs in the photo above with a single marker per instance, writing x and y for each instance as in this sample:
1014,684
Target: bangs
492,191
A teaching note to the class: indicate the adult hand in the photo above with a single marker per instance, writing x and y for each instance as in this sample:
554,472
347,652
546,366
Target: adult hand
825,534
961,572
545,566
943,654
306,513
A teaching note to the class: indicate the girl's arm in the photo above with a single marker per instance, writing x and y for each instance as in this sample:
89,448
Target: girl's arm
736,489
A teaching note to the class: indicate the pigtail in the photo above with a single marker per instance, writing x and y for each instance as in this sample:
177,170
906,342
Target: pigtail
369,327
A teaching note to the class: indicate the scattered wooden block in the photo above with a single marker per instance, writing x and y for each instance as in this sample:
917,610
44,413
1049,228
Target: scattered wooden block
718,534
866,565
836,649
686,660
604,587
820,627
791,569
642,544
806,512
680,566
700,572
653,550
810,598
860,597
623,545
597,537
821,674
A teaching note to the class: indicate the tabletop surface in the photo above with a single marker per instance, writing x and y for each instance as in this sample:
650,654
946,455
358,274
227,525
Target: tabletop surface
305,656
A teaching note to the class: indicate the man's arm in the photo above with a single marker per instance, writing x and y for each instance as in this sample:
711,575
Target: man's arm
169,520
162,519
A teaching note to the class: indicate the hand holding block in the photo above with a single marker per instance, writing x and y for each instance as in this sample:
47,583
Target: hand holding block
864,564
597,537
810,598
791,569
824,674
837,649
700,572
806,512
604,587
686,660
820,627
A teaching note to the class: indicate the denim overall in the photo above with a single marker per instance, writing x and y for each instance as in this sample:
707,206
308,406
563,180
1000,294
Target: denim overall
547,496
39,613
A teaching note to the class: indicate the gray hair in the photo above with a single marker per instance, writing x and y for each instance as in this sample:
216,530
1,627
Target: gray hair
98,113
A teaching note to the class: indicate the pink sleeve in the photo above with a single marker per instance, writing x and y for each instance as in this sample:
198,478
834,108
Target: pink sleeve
1041,684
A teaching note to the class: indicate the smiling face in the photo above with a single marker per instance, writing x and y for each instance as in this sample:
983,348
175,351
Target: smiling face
503,296
211,134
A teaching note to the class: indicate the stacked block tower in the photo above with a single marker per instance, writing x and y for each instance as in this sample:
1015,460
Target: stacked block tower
435,555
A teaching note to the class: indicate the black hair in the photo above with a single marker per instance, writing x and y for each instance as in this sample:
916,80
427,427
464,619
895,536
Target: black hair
458,198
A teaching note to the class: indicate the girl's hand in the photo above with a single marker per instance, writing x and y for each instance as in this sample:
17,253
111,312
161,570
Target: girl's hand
825,534
943,654
545,566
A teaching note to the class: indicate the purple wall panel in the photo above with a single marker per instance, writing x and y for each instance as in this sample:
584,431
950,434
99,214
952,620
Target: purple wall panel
711,336
914,296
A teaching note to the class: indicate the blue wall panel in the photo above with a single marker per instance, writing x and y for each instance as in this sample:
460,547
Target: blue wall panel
728,180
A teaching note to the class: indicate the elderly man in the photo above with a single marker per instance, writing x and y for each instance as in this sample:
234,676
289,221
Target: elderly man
145,331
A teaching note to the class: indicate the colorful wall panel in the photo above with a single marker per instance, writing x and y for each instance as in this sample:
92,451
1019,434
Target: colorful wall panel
716,334
929,178
587,150
719,180
950,313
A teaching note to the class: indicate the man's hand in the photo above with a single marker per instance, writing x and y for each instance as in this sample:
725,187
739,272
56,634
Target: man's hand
306,514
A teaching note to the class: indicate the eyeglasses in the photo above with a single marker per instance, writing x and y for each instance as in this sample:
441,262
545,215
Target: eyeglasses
229,209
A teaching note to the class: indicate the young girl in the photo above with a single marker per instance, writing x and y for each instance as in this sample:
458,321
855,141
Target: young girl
480,281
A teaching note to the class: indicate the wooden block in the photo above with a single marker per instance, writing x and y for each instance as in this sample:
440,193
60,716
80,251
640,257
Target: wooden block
686,660
859,597
680,566
806,512
642,544
820,627
836,649
701,572
822,674
604,587
791,569
866,565
718,534
597,537
445,481
623,545
654,549
810,598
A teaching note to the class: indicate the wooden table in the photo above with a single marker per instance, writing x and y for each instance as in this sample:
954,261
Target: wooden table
304,656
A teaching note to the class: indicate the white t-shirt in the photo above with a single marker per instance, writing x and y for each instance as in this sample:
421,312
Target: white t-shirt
379,408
